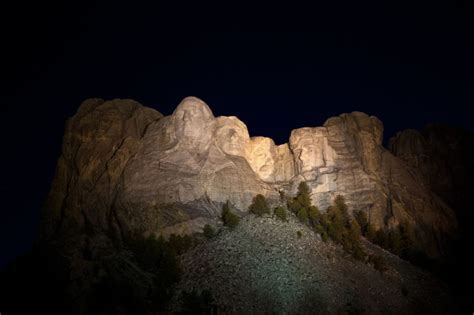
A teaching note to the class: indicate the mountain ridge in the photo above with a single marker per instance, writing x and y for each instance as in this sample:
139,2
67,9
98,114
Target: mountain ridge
129,175
123,163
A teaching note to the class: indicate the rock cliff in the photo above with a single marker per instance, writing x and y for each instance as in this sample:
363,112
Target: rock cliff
125,168
443,156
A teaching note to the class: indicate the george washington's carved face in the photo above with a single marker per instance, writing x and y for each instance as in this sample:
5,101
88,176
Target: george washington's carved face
193,123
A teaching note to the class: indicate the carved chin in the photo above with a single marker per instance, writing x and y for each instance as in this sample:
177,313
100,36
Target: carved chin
265,170
232,151
191,131
231,148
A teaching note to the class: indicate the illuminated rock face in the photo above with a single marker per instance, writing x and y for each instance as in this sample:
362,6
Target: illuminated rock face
311,150
126,168
232,136
194,124
262,158
202,163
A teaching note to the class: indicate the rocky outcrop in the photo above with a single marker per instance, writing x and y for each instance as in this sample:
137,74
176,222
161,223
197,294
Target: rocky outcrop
125,169
98,143
443,156
346,157
189,159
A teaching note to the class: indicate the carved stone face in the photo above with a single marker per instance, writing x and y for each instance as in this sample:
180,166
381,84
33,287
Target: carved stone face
304,147
309,157
311,149
193,123
232,136
262,157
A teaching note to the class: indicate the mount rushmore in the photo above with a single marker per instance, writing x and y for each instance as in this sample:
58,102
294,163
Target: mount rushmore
125,168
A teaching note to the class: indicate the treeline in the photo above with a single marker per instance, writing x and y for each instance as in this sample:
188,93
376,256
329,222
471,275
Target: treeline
334,224
337,225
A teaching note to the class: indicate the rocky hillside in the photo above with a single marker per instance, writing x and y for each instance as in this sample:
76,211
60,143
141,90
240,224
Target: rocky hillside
264,267
126,169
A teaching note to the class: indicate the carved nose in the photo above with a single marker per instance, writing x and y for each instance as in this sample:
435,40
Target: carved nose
186,116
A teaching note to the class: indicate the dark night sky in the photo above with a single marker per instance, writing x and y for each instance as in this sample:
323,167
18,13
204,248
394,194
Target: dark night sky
407,64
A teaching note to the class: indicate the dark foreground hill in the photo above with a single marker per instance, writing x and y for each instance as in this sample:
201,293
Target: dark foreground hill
263,266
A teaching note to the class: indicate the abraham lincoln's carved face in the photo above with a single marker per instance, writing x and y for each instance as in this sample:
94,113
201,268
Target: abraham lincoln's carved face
305,149
311,149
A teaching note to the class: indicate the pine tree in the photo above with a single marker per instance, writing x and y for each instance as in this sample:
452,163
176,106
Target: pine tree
354,236
259,205
335,232
208,231
230,219
225,211
313,215
319,229
361,217
280,213
302,215
370,233
354,232
324,221
340,204
302,199
346,241
336,224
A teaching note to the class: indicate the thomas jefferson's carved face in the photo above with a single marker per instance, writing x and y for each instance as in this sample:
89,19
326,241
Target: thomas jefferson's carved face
232,136
234,143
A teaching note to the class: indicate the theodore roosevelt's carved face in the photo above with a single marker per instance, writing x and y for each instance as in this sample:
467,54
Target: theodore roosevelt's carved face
193,123
261,157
